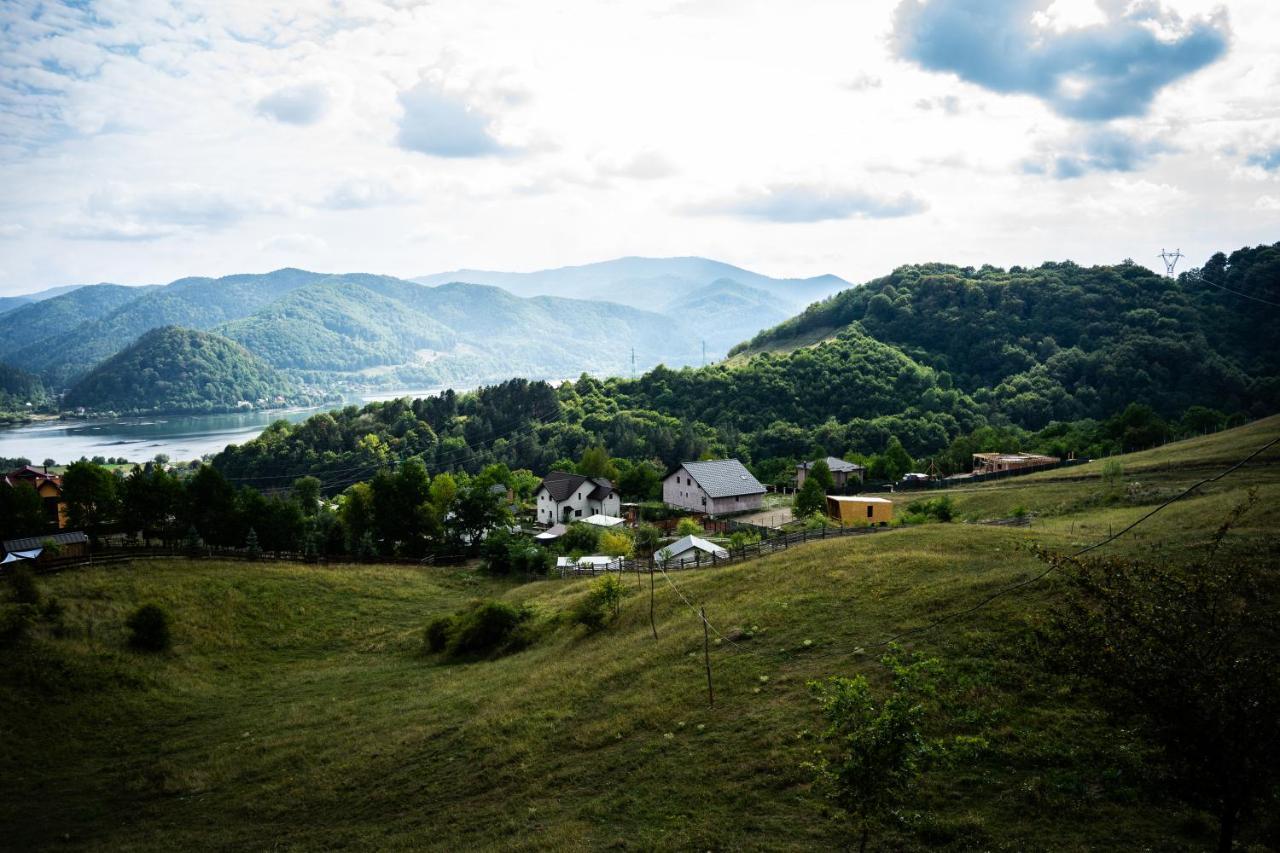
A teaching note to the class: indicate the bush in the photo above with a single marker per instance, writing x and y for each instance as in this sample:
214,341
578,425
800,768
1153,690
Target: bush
935,509
581,538
436,637
601,604
22,586
741,539
149,629
688,527
484,627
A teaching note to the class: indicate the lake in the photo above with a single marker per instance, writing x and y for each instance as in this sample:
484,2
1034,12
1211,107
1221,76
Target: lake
180,437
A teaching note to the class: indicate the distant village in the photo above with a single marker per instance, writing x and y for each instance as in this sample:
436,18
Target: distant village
703,503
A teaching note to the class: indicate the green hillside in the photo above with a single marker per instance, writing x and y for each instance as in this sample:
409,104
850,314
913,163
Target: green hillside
197,303
298,705
1062,342
33,325
20,391
170,370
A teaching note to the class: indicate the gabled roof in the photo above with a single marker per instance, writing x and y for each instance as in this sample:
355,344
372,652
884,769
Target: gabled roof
835,465
724,478
603,520
694,542
561,484
74,538
34,476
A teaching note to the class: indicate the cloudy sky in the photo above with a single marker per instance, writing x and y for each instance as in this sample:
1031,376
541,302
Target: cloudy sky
144,140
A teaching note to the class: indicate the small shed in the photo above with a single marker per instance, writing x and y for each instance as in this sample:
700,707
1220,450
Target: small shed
859,509
75,544
692,548
553,532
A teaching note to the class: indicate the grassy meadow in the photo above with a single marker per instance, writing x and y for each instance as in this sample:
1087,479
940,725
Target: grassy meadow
298,710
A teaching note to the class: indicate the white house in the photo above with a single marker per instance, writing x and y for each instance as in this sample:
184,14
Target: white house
563,497
692,548
719,486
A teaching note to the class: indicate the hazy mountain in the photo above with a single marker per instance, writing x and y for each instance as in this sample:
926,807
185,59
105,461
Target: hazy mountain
17,300
389,330
651,283
198,303
171,370
726,313
37,324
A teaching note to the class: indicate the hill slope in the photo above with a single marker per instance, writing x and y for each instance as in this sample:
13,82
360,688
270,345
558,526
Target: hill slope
1065,342
171,370
35,324
198,303
298,705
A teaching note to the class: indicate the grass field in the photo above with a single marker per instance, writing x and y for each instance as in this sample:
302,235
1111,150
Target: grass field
298,711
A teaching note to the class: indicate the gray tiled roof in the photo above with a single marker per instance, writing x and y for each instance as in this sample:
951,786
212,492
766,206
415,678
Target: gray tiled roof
724,478
73,538
561,484
835,465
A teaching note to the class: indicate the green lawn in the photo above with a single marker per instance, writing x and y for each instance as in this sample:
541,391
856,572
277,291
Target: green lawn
298,711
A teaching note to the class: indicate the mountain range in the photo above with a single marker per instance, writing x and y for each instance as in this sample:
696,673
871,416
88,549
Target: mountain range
359,331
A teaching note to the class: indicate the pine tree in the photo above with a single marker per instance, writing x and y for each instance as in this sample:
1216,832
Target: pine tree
251,544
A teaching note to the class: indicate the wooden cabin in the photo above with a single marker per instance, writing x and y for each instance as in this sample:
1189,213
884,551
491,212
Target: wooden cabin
856,510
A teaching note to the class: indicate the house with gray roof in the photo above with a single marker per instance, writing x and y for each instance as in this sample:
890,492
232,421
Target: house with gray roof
716,487
564,497
843,473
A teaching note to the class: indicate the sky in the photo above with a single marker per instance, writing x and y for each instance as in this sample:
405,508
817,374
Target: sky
146,140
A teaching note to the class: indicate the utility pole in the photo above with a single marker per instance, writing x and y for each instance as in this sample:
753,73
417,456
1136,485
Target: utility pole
633,362
706,656
1170,260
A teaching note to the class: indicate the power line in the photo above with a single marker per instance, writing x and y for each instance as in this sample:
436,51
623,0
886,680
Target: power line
1199,276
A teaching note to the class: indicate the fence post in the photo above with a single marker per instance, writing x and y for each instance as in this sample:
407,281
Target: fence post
652,624
706,656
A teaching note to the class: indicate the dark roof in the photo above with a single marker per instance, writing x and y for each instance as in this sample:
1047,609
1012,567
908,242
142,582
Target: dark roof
835,465
31,542
561,484
724,478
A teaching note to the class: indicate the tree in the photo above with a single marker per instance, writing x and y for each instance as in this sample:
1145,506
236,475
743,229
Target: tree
647,539
1191,653
810,499
21,511
642,480
595,462
211,507
251,544
306,491
688,526
580,538
615,544
821,472
895,461
91,496
872,751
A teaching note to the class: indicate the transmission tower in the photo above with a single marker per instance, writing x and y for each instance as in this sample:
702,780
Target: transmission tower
633,362
1171,260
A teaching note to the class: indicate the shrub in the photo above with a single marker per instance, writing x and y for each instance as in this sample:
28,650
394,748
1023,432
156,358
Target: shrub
935,509
601,604
436,636
647,539
149,629
688,527
741,539
582,538
484,628
22,586
615,544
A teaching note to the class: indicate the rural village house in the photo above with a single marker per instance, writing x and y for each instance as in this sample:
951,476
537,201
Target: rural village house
564,497
842,472
48,487
715,487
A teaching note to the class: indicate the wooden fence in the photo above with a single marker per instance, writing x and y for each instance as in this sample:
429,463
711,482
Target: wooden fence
749,552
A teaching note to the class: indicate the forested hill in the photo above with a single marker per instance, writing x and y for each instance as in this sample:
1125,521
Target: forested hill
19,389
172,370
1061,341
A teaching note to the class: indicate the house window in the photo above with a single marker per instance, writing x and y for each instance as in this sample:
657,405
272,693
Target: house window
578,512
869,512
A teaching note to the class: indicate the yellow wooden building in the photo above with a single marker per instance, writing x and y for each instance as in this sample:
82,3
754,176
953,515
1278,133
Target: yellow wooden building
855,510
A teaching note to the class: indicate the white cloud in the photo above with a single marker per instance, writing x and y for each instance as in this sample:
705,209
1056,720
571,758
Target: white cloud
559,139
812,203
293,244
